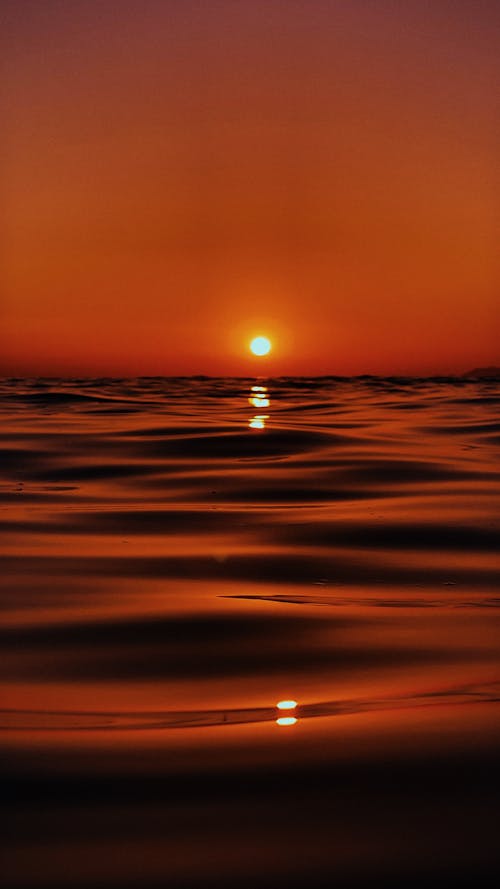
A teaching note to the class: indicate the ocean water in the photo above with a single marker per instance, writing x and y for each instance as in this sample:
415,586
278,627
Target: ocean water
181,555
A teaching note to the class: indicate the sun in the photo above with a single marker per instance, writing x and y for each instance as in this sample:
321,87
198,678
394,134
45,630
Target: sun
260,346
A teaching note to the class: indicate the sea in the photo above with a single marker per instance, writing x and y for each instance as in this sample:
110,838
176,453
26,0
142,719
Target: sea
250,632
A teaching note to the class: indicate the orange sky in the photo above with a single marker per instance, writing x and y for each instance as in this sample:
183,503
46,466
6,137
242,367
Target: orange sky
177,177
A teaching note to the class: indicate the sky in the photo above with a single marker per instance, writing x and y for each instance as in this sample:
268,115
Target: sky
177,177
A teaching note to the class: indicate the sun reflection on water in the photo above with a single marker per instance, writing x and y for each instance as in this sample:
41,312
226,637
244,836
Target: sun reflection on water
259,398
286,705
259,421
259,401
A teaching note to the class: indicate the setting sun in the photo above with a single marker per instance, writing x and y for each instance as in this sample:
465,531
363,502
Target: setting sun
260,346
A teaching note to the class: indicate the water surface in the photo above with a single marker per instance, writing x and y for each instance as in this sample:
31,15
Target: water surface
180,555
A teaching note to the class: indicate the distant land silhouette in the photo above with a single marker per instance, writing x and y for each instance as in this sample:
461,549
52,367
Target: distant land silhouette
484,373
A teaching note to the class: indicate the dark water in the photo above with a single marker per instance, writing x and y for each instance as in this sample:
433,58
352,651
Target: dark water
181,555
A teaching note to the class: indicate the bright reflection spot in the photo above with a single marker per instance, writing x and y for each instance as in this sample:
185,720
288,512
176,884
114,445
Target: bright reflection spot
258,422
286,705
286,720
259,397
260,345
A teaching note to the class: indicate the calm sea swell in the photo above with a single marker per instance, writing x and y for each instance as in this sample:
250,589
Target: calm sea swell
178,555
